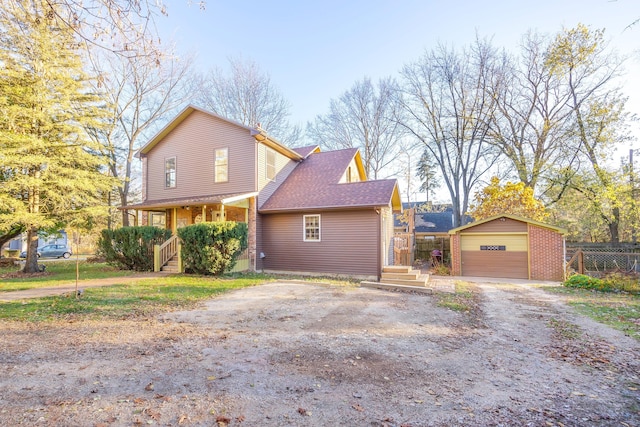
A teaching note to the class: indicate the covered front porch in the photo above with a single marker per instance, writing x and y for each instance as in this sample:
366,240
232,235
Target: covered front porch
177,213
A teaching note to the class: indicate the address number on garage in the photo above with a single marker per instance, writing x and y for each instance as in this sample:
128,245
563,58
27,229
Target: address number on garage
493,248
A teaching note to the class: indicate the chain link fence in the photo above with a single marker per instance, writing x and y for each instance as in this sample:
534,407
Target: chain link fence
597,261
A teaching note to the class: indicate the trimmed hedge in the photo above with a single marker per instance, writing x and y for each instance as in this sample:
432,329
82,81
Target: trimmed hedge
212,247
131,248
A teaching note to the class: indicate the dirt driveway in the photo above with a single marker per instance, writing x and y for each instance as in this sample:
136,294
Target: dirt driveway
303,355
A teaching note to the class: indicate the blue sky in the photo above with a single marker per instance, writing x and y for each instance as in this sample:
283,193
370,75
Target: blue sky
314,51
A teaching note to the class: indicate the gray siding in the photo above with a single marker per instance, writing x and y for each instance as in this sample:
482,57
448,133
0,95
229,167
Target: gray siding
193,143
284,166
349,243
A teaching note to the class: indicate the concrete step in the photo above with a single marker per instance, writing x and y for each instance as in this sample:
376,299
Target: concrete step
396,287
396,269
413,274
420,281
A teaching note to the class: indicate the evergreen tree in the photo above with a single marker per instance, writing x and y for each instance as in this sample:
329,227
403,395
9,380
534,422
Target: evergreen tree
51,173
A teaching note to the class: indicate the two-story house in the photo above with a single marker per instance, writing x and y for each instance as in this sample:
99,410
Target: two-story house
307,211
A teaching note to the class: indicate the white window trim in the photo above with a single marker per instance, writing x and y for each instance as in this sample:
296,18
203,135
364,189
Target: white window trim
175,171
215,166
266,164
304,228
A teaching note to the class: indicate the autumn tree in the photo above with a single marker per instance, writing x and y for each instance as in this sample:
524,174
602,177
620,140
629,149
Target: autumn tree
51,169
247,95
596,210
510,198
579,57
448,109
363,117
142,92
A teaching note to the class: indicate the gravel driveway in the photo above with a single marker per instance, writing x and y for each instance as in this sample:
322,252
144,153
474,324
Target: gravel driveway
305,355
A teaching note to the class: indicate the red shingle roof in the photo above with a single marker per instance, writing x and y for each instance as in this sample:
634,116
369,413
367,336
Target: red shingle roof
305,151
313,184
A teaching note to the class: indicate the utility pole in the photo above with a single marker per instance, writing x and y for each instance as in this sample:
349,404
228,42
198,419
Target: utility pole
633,198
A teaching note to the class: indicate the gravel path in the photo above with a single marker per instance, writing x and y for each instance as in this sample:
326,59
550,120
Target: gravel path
302,355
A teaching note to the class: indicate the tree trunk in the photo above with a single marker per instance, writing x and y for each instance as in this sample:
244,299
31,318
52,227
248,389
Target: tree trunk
31,264
614,226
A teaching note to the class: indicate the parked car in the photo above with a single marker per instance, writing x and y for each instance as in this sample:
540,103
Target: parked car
51,251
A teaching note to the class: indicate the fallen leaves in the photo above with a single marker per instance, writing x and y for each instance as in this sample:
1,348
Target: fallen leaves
223,420
357,407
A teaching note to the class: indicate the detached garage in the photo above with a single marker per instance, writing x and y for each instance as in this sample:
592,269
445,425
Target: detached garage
508,246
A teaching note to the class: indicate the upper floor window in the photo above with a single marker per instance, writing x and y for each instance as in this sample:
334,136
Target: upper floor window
311,228
271,164
170,172
222,165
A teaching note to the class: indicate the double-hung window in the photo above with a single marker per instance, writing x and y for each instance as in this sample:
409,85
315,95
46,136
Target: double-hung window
170,172
311,228
270,164
222,165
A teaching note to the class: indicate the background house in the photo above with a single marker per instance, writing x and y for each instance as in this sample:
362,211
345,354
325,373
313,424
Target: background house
20,242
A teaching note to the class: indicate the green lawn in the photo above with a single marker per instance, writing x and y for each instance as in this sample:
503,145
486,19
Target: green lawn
140,299
619,310
59,272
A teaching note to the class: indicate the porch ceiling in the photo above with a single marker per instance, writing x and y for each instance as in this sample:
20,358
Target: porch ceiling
224,199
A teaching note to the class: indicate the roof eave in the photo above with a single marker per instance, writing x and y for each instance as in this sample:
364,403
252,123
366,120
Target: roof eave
322,208
261,136
513,217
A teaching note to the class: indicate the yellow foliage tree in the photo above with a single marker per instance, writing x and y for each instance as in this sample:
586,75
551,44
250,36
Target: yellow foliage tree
511,198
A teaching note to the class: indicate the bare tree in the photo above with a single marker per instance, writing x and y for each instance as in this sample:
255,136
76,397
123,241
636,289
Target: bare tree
123,27
448,109
142,92
247,95
531,125
364,117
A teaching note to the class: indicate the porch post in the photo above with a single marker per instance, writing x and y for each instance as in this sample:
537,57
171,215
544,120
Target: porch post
156,258
174,223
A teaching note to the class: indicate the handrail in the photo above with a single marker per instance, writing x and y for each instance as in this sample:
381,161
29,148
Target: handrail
164,252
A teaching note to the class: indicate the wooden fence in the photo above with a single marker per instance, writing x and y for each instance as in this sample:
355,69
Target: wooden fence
403,249
425,246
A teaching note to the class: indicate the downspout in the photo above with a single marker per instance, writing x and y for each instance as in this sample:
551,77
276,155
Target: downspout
564,258
253,263
379,254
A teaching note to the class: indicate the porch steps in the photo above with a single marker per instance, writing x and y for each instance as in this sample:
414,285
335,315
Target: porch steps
171,266
403,275
396,287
